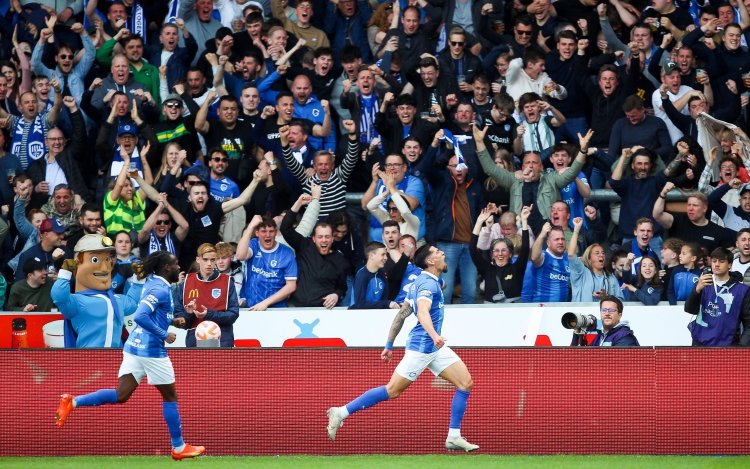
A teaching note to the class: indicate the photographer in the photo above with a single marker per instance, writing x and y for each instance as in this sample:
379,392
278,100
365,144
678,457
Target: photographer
614,332
721,307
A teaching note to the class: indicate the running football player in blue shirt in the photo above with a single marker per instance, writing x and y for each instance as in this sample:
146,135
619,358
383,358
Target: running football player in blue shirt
425,348
145,354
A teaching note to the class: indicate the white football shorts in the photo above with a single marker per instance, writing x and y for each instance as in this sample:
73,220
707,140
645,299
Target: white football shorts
158,370
414,363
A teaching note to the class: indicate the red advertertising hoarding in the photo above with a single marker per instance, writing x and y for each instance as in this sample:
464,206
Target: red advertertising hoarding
666,400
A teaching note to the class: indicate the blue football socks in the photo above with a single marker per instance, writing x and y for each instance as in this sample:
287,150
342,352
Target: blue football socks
368,399
458,408
100,397
172,417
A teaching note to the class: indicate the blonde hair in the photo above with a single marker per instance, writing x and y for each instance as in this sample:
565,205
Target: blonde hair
224,249
205,248
163,167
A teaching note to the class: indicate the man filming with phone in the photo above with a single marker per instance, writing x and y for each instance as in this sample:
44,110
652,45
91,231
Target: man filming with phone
720,302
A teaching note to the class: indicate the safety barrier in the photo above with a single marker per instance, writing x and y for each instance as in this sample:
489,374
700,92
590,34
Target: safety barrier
536,400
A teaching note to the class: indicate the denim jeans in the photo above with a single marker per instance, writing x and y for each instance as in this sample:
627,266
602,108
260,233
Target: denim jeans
457,255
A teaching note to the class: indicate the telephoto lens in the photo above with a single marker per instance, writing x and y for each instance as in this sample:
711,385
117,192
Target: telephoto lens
585,322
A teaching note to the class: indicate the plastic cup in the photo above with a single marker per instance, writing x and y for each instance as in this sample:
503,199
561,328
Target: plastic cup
53,334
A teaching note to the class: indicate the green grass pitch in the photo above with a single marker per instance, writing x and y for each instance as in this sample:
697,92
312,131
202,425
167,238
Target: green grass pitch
473,461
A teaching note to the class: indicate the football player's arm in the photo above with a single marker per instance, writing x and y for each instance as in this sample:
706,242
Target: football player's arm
423,315
144,312
396,325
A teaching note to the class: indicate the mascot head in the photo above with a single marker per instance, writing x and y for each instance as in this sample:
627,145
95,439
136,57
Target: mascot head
96,258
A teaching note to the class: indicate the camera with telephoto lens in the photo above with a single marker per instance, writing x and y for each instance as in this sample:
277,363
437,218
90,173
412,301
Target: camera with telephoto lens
579,322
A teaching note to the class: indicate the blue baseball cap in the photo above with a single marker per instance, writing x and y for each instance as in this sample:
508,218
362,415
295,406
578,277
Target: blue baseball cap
126,129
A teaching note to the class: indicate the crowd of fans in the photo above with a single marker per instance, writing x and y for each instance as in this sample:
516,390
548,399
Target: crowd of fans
229,133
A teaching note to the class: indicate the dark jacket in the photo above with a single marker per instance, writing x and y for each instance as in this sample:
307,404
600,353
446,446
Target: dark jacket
444,188
718,321
392,134
411,47
318,276
340,29
178,63
67,159
510,275
619,336
605,110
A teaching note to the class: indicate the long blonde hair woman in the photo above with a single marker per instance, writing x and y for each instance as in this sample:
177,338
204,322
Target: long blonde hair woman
174,160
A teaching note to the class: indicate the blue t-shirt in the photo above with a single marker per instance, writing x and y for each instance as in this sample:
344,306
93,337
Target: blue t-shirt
267,272
570,195
425,288
547,283
153,316
225,188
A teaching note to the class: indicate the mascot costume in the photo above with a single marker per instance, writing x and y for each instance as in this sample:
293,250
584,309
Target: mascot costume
94,315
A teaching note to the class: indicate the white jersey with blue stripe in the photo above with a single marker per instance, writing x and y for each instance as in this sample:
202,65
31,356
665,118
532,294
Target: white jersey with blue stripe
152,318
425,288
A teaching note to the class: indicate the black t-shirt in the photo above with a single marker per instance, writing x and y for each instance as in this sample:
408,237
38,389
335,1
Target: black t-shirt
679,17
235,142
502,135
204,228
709,236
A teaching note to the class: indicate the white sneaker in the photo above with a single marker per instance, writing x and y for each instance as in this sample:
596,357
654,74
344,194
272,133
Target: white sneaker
460,443
334,422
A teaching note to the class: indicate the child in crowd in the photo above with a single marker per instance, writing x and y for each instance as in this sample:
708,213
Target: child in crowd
685,275
227,265
620,265
648,285
670,252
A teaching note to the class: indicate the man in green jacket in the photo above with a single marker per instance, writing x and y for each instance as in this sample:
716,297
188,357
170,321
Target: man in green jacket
534,186
132,46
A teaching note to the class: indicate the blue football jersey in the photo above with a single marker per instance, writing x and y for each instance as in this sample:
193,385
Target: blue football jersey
267,272
425,287
153,317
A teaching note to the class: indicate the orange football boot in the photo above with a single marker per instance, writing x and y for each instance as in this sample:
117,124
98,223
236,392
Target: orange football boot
189,451
64,409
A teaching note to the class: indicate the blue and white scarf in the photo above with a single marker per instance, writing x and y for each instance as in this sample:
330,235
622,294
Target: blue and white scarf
456,141
367,121
155,246
29,146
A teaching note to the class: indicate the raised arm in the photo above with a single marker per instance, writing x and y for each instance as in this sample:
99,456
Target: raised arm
660,215
232,204
201,118
536,249
148,225
573,245
620,166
